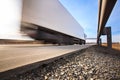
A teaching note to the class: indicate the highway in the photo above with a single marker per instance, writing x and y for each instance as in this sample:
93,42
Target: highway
14,56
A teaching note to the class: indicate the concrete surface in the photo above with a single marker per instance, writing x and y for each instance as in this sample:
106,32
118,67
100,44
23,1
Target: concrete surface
16,56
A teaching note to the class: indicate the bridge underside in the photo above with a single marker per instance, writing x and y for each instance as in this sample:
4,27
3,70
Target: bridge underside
105,9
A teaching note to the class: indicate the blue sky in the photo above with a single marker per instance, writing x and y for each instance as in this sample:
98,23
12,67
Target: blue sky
86,14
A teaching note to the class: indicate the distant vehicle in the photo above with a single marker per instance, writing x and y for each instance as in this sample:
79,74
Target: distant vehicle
49,21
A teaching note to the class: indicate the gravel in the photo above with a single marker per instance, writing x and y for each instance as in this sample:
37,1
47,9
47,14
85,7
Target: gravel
94,63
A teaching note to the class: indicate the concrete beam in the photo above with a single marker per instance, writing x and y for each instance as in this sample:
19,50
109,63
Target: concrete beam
105,9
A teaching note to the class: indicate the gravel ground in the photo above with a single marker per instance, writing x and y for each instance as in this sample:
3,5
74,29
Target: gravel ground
94,63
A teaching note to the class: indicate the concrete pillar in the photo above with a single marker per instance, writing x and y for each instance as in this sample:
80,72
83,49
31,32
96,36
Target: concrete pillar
107,32
109,37
99,42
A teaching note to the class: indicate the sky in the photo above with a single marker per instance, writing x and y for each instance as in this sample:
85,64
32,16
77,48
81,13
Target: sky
86,14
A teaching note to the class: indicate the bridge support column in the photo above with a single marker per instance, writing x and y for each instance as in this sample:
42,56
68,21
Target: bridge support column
107,31
109,38
99,42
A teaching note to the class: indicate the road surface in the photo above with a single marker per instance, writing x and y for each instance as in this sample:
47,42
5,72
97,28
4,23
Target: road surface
19,55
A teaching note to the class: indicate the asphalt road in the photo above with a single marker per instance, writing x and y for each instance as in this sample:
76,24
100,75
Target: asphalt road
13,56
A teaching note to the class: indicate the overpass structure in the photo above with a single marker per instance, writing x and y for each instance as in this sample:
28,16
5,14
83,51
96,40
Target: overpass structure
105,9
